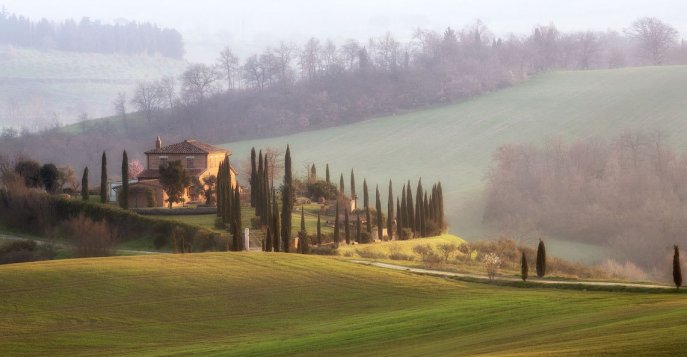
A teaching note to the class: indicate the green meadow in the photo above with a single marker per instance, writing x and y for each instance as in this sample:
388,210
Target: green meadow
264,304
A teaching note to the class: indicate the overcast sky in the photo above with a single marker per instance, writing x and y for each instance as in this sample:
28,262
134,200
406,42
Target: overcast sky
249,26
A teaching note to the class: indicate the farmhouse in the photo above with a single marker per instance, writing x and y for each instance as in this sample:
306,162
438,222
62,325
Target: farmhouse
200,160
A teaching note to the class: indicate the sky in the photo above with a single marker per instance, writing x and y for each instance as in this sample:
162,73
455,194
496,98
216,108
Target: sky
249,26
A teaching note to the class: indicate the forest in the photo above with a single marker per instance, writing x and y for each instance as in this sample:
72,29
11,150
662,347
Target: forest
87,35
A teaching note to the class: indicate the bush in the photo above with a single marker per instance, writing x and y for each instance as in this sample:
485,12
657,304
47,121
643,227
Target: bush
407,233
325,250
492,264
427,254
91,238
322,189
447,250
368,253
21,251
395,254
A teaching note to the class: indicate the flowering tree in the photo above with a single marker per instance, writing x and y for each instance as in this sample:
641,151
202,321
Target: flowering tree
492,263
135,168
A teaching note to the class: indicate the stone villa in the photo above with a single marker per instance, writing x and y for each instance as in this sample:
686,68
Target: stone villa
199,159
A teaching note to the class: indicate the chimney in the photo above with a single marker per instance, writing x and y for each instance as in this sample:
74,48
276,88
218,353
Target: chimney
158,143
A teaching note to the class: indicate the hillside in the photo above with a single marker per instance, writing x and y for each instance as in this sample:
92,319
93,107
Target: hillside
37,87
454,143
277,304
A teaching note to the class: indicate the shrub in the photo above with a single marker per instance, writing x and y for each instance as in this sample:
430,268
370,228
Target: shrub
492,264
407,233
368,253
20,251
447,250
322,189
91,238
427,254
324,250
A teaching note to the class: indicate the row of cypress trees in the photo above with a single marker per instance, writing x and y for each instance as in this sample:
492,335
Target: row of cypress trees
424,217
540,264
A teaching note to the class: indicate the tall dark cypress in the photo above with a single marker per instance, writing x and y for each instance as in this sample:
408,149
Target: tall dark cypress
253,177
275,222
378,206
319,230
403,212
677,270
287,201
368,223
302,235
103,179
524,269
265,192
124,190
341,186
425,216
410,211
347,226
390,213
84,184
336,226
398,219
220,190
541,259
440,199
418,209
327,174
237,217
259,187
268,240
357,228
353,195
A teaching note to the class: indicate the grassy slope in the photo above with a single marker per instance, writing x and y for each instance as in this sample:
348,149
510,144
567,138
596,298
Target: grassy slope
36,83
276,304
454,143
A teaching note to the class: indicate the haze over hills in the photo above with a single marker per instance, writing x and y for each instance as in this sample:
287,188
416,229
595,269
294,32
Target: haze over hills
454,143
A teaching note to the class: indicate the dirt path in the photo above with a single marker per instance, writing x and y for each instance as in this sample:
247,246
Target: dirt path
503,278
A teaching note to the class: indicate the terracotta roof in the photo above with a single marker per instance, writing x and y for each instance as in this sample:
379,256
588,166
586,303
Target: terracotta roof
144,184
152,174
188,147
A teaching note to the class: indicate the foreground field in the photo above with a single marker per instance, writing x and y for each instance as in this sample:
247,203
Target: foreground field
279,304
455,143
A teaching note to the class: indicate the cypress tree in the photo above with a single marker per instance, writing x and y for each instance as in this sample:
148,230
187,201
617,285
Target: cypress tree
275,222
341,185
403,212
366,201
124,190
302,235
541,259
347,226
103,179
258,187
440,205
390,213
524,269
357,227
336,226
398,220
380,224
425,216
253,177
319,231
268,240
84,184
313,172
237,217
677,270
410,223
220,190
287,201
327,174
418,209
353,196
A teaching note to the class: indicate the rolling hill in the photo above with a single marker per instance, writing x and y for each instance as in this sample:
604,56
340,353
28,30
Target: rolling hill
253,304
454,143
40,87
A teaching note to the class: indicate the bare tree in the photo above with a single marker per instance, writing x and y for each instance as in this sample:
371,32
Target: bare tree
147,98
198,82
588,47
654,38
283,56
309,60
349,53
228,64
120,106
167,90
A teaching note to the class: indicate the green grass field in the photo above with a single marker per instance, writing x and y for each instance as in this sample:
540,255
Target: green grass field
252,304
455,143
34,84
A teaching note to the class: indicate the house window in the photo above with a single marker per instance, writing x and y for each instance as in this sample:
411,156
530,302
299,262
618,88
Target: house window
163,160
189,162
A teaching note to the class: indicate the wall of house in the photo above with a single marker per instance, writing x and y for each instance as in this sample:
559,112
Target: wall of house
199,160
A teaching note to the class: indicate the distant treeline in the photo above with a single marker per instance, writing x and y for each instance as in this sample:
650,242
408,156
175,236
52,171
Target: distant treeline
629,193
90,36
321,83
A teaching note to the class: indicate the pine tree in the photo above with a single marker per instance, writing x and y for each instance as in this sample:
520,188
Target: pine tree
253,177
287,201
84,185
327,174
353,195
347,226
390,213
541,259
103,179
319,231
378,206
124,190
677,270
524,269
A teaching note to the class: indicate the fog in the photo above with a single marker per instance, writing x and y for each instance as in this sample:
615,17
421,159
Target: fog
248,27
